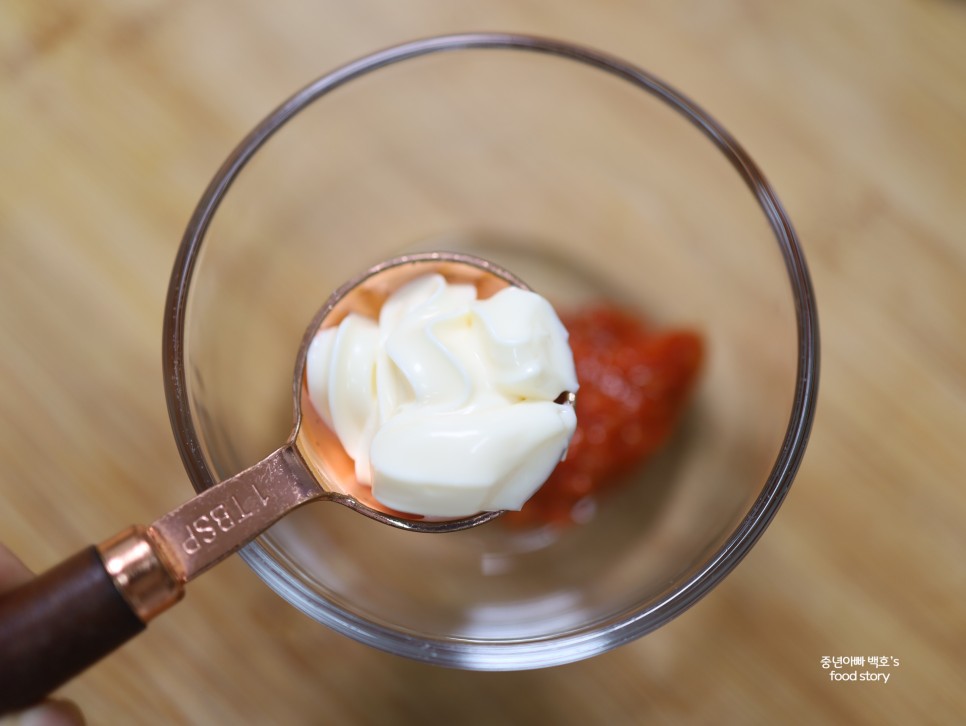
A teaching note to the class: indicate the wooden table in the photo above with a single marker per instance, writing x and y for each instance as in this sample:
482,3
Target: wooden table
112,119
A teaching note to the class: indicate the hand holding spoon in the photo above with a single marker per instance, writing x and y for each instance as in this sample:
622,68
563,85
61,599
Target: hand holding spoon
56,625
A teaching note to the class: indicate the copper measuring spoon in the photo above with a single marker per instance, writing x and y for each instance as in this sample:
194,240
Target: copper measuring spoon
64,620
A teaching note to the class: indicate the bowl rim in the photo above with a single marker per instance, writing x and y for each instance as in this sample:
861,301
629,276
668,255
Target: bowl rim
595,637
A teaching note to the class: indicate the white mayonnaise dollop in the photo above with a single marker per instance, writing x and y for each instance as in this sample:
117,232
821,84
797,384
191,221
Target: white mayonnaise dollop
446,403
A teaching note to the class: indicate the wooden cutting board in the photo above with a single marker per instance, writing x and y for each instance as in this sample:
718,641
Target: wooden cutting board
112,119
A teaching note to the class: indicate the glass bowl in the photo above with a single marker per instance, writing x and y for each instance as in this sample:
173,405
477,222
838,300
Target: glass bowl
587,177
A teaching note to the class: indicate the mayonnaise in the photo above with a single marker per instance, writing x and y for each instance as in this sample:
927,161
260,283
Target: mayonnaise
446,403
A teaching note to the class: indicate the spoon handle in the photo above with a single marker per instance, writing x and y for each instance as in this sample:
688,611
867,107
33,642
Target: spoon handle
57,624
206,529
68,618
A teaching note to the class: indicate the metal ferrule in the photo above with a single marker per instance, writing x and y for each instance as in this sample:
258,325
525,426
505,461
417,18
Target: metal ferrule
139,573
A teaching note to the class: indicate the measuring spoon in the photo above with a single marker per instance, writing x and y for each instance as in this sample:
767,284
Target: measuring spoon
56,625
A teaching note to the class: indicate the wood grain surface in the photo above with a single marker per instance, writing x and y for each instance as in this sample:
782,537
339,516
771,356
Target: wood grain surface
113,116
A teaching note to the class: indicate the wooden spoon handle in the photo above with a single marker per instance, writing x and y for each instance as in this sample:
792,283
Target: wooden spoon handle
58,624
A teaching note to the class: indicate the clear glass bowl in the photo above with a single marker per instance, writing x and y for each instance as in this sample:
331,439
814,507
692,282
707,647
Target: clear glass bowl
587,177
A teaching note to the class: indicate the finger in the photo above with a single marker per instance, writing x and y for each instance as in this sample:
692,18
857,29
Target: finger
47,713
13,572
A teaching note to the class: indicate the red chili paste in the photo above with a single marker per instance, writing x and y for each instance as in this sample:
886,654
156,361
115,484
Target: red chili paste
634,384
